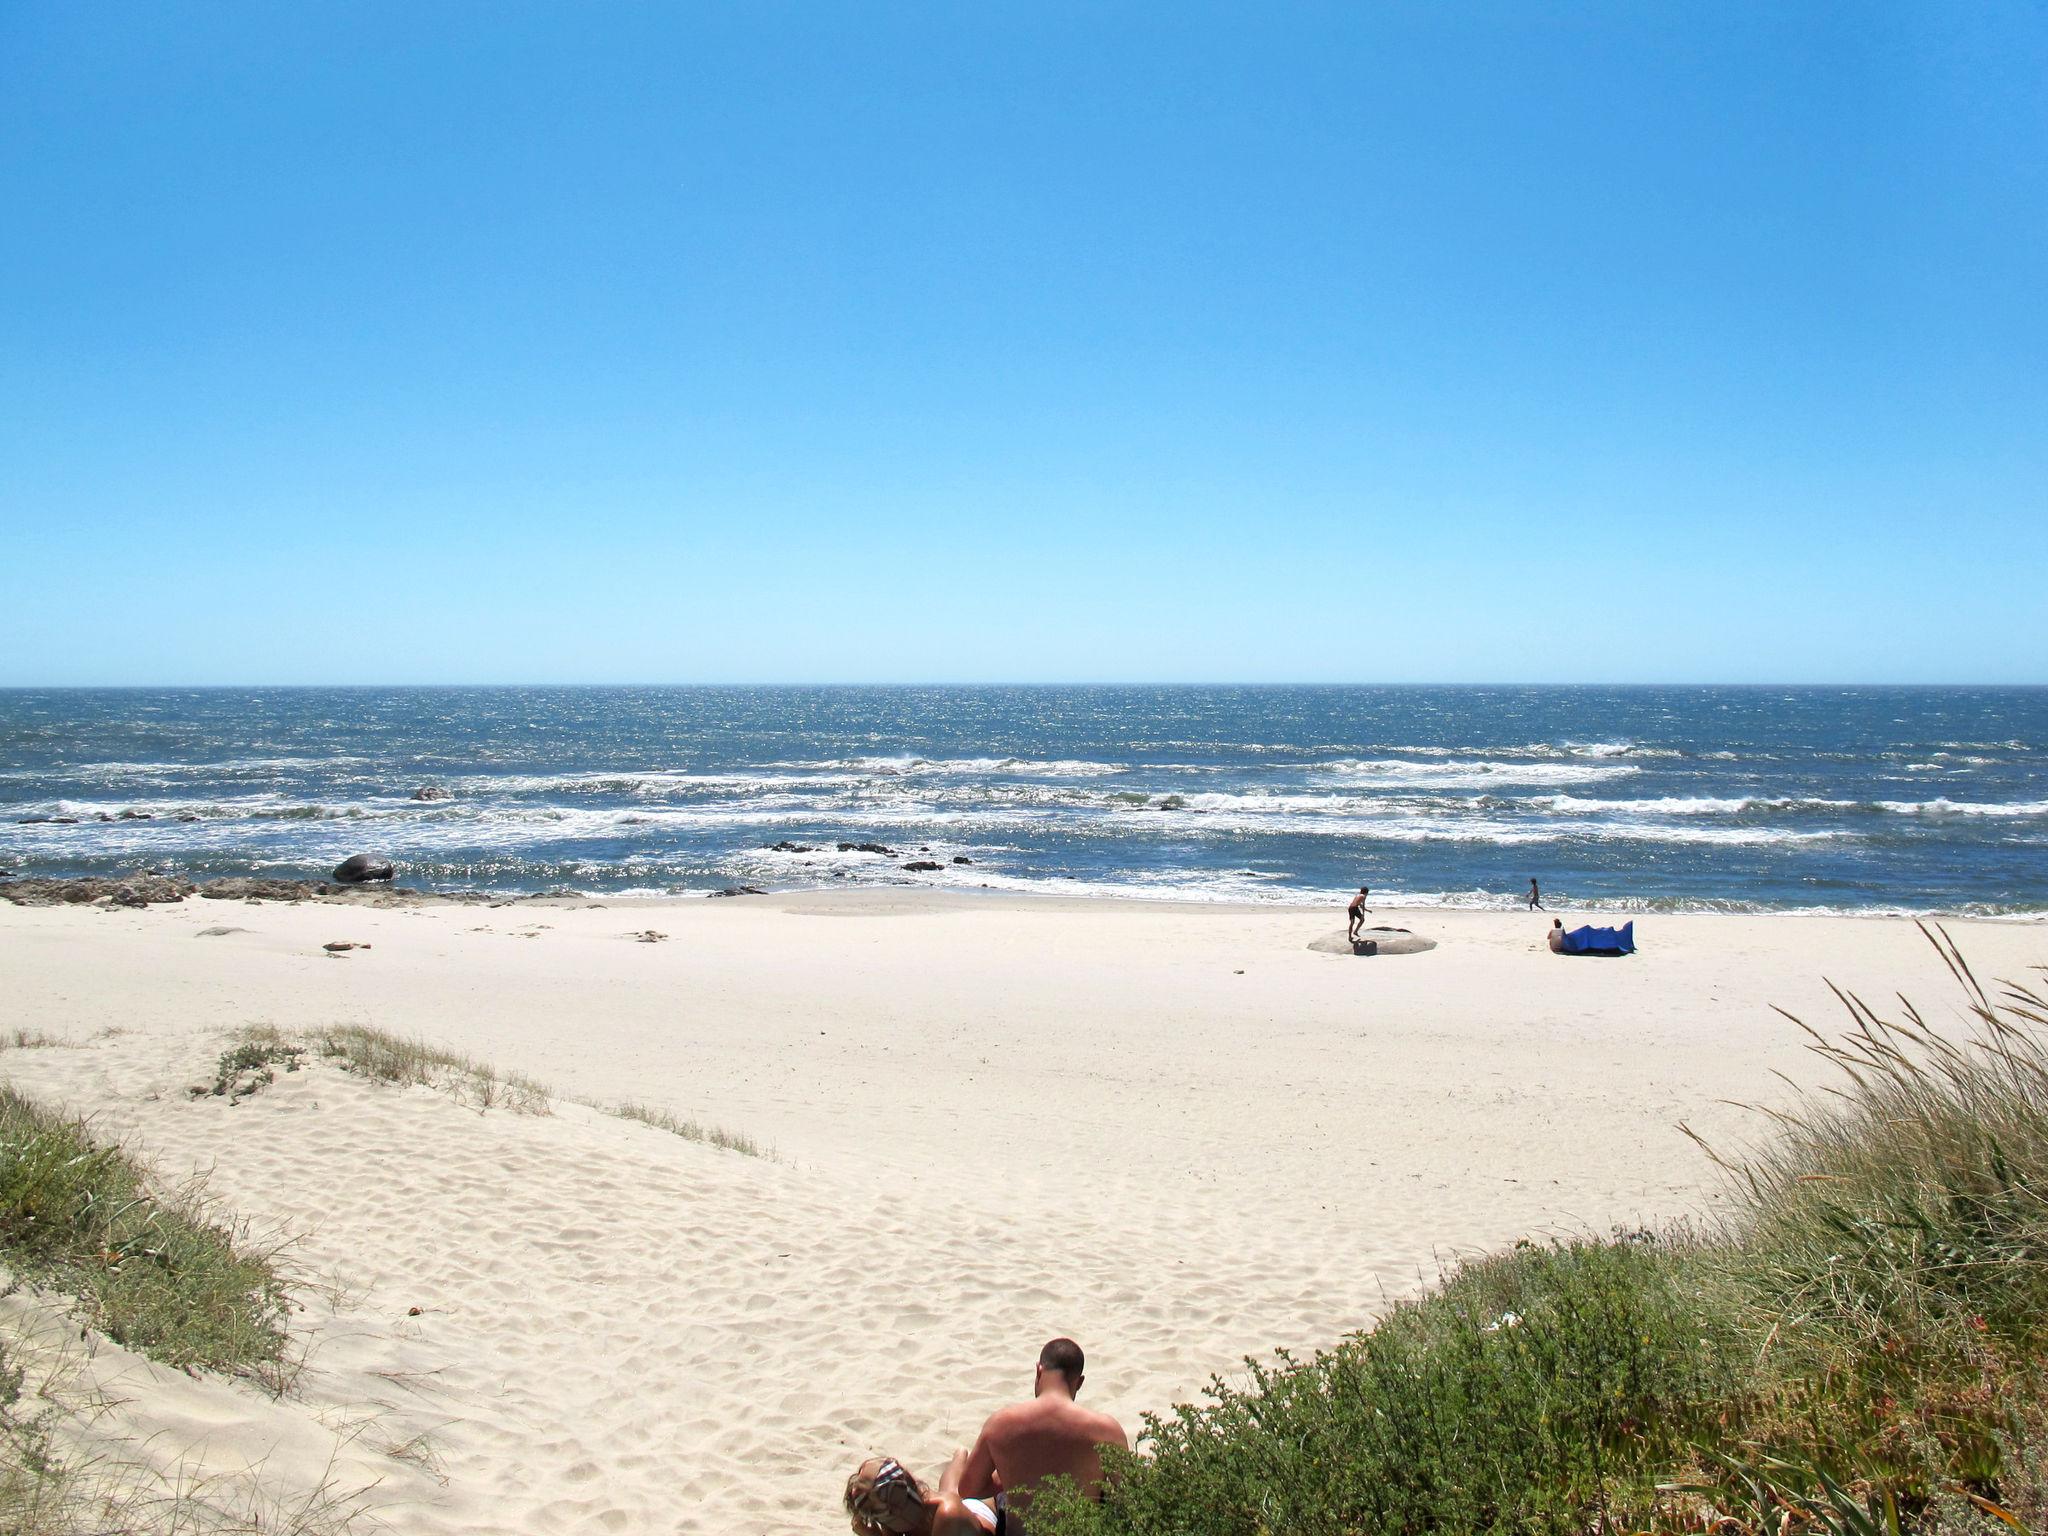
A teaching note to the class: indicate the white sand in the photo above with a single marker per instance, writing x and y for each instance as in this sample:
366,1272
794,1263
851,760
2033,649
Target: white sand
1174,1133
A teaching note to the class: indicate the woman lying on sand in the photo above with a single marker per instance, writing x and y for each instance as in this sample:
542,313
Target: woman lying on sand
886,1499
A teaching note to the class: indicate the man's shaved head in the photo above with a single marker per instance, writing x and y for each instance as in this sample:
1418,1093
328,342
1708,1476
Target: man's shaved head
1064,1356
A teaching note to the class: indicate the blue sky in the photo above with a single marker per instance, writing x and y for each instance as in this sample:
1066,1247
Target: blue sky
873,342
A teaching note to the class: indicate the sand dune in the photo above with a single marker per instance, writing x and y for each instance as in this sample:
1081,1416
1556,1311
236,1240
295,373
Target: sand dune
1175,1133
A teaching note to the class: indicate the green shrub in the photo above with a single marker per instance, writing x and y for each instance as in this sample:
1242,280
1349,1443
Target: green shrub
1533,1391
252,1063
154,1271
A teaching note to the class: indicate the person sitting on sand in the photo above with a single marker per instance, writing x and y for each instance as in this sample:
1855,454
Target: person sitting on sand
884,1498
1556,936
1050,1436
1358,910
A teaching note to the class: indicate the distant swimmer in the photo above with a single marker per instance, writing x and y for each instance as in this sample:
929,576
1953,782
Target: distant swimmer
1535,897
1358,910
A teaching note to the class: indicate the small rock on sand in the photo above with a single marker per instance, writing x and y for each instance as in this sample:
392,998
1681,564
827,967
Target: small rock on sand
217,932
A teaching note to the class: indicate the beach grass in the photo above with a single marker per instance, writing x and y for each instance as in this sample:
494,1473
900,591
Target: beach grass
154,1269
1859,1347
689,1129
390,1058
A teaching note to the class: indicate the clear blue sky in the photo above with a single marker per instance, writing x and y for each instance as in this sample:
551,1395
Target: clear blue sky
978,341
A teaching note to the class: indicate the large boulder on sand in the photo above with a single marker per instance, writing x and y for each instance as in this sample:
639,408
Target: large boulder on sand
1384,941
361,867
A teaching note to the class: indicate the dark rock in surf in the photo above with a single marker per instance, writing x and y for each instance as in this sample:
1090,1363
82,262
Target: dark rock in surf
881,848
137,816
785,846
923,866
740,890
961,858
362,867
430,792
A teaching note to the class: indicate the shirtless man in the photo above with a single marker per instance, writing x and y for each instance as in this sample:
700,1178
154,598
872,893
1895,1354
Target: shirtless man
1022,1445
1555,938
1358,910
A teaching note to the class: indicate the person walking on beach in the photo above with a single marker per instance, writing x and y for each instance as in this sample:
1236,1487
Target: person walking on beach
1535,897
1358,910
1022,1445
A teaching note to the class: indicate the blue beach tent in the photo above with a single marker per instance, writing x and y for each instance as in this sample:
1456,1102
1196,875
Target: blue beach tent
1601,941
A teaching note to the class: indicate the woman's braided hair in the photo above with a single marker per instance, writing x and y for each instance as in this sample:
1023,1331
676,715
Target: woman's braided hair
878,1503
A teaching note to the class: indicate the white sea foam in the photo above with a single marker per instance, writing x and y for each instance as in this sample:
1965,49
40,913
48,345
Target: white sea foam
649,783
1705,805
1940,807
904,766
1480,773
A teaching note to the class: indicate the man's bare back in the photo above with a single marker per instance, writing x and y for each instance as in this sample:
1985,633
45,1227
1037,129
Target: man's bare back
1023,1445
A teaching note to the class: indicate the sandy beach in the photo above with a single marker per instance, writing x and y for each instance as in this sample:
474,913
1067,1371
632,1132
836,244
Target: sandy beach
1176,1133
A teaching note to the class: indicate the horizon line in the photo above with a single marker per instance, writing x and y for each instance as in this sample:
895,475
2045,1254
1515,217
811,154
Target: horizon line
996,683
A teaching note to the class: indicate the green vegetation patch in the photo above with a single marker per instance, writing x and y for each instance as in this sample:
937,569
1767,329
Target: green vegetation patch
1542,1389
252,1064
153,1270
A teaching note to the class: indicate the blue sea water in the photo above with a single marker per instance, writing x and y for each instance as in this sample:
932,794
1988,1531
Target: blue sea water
1853,799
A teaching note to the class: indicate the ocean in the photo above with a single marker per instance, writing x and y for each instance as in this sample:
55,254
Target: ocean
1914,800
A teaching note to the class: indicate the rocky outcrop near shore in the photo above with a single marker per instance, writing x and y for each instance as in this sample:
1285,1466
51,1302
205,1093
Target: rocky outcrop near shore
121,891
151,888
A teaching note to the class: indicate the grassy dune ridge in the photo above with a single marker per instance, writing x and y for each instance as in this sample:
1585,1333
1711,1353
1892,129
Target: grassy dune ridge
155,1269
158,1269
1860,1345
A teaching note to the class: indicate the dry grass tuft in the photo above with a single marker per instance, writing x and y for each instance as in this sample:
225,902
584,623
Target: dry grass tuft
388,1058
690,1130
